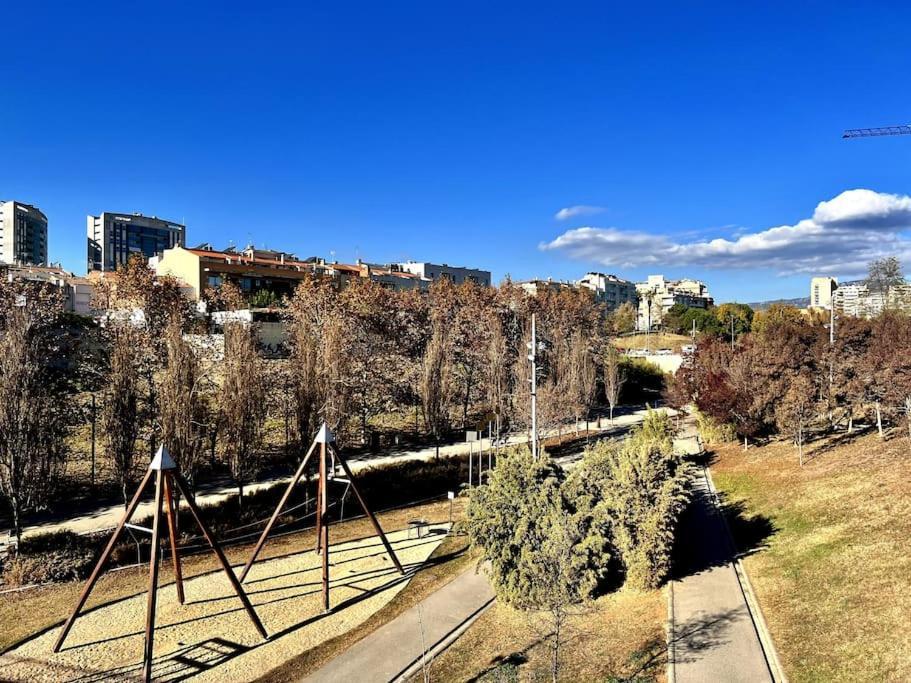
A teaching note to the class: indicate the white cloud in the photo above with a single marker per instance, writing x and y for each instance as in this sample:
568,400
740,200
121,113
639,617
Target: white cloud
578,210
843,235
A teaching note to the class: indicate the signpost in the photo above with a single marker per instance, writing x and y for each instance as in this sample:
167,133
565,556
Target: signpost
471,437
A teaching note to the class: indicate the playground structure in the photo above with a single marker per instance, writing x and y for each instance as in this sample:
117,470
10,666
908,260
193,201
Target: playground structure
329,459
167,476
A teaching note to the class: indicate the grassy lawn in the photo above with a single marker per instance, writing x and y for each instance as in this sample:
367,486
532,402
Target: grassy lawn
621,637
26,613
657,340
834,577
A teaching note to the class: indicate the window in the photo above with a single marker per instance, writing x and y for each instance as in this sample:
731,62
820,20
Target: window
214,281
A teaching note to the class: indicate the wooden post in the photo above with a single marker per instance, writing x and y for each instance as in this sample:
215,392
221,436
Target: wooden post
376,524
153,578
324,528
281,504
166,475
326,441
319,509
96,572
172,533
219,553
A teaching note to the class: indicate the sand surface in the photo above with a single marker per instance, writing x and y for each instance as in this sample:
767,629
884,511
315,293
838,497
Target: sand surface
211,637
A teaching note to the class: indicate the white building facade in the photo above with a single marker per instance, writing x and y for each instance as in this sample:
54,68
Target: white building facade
657,295
435,271
610,290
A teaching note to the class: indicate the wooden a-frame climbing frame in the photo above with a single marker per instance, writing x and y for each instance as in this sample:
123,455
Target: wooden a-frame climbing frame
324,442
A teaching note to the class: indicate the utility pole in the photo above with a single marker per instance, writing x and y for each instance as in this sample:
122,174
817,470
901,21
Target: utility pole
693,335
648,322
533,349
93,439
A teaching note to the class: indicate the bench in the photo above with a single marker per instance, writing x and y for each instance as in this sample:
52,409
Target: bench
417,525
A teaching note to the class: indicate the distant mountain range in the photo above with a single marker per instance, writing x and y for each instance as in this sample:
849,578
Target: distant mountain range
799,302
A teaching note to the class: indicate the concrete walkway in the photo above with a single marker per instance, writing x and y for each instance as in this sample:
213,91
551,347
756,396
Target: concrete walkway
399,646
713,635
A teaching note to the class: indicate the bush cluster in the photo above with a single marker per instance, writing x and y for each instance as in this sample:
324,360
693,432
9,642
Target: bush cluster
551,537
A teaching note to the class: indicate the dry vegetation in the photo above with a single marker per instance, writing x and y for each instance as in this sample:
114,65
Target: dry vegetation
620,637
658,340
834,578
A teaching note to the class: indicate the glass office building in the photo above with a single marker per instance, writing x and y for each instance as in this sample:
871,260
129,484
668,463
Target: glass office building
114,237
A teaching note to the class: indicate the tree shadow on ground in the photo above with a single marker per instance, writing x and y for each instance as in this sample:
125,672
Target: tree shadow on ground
833,441
702,633
703,540
188,661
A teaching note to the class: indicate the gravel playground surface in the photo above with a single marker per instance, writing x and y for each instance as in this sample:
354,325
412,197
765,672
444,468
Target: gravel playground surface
211,637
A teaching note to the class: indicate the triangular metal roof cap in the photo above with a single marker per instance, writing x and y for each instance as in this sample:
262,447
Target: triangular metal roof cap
325,435
162,460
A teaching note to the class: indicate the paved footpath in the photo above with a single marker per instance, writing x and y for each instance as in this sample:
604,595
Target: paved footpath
713,635
395,647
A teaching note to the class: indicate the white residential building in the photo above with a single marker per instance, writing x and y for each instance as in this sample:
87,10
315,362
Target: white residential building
77,290
822,292
610,290
434,271
657,295
535,287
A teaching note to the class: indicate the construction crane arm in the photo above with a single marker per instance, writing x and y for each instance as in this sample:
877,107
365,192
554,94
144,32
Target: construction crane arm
876,132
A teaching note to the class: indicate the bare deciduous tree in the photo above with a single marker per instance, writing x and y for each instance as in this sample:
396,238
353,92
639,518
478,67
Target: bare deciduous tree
614,378
796,410
120,413
243,404
435,382
181,408
32,422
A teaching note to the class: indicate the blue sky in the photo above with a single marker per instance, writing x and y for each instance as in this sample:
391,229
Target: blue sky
456,131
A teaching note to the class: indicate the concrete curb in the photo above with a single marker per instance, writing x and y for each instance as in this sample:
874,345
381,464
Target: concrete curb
669,634
749,594
442,644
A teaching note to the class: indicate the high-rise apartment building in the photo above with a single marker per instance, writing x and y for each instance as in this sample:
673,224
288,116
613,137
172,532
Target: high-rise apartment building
23,234
657,295
822,292
610,290
114,237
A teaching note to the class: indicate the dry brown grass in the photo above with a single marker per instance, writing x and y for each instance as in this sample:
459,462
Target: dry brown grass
658,340
26,613
621,637
835,576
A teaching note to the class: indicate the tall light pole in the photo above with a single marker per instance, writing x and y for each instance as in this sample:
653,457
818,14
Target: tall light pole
532,354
